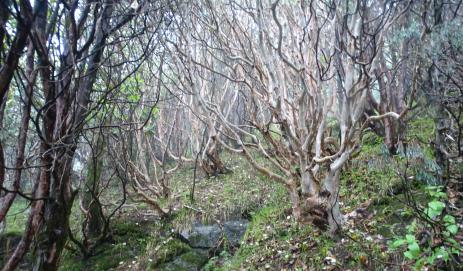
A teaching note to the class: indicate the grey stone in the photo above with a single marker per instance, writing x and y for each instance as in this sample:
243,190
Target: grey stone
234,231
201,236
212,236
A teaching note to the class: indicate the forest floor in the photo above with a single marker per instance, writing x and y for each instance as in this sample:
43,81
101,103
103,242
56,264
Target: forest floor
373,199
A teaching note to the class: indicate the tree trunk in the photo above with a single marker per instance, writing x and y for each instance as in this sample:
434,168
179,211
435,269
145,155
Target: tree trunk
441,118
53,233
211,163
94,219
441,124
318,204
91,189
331,185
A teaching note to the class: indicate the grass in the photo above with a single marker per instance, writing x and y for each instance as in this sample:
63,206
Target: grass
370,175
130,240
273,241
241,193
224,197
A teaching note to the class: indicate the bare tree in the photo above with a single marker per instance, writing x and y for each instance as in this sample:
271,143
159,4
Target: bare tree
11,47
441,77
69,40
298,67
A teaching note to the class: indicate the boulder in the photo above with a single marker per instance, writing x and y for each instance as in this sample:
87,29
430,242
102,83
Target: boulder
234,231
203,236
213,236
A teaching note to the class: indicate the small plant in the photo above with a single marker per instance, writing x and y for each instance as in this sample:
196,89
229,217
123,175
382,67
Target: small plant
435,230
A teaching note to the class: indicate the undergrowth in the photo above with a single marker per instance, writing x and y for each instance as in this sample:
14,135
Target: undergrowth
372,198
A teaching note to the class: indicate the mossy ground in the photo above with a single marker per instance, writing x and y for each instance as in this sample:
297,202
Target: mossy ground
223,197
128,244
145,243
273,241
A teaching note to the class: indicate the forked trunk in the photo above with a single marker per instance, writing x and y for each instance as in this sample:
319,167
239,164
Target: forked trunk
53,233
94,217
318,204
212,164
331,185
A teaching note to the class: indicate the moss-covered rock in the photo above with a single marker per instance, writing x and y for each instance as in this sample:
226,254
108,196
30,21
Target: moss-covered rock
168,251
192,260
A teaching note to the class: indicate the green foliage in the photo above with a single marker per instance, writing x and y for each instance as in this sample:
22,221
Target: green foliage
421,130
449,31
443,226
371,174
420,163
162,250
410,31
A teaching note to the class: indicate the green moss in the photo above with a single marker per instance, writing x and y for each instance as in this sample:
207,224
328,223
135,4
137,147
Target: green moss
130,230
222,197
130,241
168,250
191,260
269,231
421,129
108,256
196,258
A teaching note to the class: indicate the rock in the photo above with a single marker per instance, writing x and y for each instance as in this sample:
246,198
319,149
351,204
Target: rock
190,261
212,236
201,236
168,251
234,231
202,239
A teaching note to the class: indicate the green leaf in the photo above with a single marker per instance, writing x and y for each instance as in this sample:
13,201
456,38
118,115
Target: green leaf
441,253
408,255
453,229
436,205
441,195
133,98
435,208
397,243
414,250
453,242
410,238
432,258
454,251
449,219
412,226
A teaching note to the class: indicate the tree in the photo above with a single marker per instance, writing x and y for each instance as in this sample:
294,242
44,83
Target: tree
300,68
441,76
69,40
19,14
